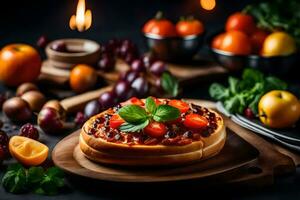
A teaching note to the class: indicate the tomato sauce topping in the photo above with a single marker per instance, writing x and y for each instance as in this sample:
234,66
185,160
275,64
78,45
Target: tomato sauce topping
194,123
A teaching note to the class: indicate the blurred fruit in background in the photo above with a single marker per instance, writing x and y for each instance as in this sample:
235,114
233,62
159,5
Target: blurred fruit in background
236,42
83,78
17,110
26,87
160,26
217,41
240,22
278,44
35,99
19,63
257,40
189,26
279,109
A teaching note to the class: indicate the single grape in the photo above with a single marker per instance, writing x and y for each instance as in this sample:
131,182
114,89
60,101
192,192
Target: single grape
106,63
141,86
92,108
131,76
107,100
138,66
158,67
148,60
123,90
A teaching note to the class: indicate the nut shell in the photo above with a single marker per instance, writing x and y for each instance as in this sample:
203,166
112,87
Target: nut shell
35,99
26,87
17,109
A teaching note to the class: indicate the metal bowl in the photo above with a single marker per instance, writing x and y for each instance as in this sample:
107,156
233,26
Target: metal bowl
277,65
174,48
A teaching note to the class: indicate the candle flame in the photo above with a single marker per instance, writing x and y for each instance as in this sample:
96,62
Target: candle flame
208,4
82,21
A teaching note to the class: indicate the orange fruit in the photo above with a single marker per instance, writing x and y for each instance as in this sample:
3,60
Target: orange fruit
28,151
19,63
82,78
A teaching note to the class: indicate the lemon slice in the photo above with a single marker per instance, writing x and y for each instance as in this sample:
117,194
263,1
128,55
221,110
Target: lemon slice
28,151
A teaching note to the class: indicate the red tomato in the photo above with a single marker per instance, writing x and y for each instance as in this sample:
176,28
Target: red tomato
189,27
181,105
160,26
217,41
155,129
134,101
236,42
195,121
116,121
241,22
257,39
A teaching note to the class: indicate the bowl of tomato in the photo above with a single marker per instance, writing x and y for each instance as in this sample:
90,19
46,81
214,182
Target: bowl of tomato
170,42
242,44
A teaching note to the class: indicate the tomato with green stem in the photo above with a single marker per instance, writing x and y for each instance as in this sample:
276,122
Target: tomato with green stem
189,26
160,26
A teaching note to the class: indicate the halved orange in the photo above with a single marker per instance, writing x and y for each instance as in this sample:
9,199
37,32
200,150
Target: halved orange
28,151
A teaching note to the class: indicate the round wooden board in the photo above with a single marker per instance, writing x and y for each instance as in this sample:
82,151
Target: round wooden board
236,153
246,159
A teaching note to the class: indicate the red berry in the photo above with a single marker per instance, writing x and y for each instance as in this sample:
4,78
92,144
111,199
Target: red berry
28,130
80,118
3,138
4,153
249,113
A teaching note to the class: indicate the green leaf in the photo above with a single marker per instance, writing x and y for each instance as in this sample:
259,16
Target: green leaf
55,172
35,175
51,182
252,75
274,83
233,82
170,84
127,127
150,105
14,180
133,114
218,92
166,113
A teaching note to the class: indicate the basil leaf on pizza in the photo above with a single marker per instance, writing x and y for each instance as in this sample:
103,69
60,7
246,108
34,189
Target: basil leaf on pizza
150,105
133,114
127,127
166,113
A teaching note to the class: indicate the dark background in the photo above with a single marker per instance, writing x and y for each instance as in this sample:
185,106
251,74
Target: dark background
25,21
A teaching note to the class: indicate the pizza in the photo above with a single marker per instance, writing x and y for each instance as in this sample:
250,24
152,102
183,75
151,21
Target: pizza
153,132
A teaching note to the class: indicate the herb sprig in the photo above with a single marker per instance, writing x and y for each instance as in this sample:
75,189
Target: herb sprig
245,92
138,118
18,179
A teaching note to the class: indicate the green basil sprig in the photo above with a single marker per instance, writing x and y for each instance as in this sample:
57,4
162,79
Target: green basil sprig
18,179
138,118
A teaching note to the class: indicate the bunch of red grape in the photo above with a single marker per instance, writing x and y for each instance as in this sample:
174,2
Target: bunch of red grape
134,82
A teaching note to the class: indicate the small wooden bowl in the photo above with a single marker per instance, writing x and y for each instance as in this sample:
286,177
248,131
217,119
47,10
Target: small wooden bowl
82,51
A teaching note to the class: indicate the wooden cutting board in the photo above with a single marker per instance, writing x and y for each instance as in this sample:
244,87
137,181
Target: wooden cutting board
246,159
